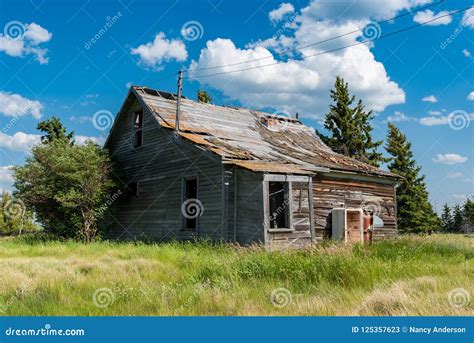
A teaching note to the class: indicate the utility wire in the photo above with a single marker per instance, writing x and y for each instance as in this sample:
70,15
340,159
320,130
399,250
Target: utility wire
336,49
321,42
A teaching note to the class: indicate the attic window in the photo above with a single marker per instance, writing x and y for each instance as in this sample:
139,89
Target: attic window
138,129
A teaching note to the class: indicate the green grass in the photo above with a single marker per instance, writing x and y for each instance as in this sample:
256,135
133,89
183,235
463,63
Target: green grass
407,276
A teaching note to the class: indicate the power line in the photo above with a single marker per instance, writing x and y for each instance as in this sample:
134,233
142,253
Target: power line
336,49
321,42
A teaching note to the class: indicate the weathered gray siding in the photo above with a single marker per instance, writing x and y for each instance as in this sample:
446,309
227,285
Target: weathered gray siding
160,166
300,232
249,207
330,192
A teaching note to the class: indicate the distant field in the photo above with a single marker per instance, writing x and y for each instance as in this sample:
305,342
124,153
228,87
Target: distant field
431,275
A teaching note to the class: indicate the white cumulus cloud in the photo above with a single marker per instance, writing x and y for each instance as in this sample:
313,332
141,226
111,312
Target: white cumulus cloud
428,15
434,121
470,96
14,105
399,117
468,18
25,39
160,50
430,98
302,83
280,12
19,141
449,159
81,140
6,174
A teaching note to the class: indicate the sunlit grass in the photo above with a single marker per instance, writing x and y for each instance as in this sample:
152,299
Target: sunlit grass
407,276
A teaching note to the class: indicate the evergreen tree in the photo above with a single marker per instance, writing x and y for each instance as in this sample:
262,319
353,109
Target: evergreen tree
414,211
54,130
204,97
458,218
447,219
468,213
350,128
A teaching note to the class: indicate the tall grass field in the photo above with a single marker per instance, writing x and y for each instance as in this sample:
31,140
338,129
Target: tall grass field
411,275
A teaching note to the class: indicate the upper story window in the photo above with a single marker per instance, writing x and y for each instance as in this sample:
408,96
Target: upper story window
138,129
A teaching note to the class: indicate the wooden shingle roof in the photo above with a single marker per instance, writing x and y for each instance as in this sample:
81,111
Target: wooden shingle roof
251,139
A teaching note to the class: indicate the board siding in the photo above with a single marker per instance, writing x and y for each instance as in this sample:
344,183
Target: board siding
249,207
329,193
160,166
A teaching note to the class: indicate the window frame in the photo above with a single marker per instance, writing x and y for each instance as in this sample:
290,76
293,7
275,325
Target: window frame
286,205
289,179
184,220
137,130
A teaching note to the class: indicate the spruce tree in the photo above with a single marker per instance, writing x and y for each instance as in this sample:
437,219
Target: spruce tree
53,129
349,127
447,219
468,213
458,218
414,211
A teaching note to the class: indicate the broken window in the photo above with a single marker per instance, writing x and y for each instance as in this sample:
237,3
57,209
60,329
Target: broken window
138,129
191,208
279,205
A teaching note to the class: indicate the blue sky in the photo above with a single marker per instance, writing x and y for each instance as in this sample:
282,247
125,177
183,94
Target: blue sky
75,59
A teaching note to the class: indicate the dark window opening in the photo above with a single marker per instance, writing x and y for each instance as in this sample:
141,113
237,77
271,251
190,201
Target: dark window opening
279,201
138,129
189,209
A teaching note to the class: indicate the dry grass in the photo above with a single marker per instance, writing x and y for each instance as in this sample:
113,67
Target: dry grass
407,276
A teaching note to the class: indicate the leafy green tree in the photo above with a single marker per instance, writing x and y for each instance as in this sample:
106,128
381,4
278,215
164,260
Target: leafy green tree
66,185
53,129
14,218
350,128
414,211
447,220
204,97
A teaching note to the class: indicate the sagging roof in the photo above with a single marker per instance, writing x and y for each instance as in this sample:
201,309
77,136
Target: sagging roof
250,139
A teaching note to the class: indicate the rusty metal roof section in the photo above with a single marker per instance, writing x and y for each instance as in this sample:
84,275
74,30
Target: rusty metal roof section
251,139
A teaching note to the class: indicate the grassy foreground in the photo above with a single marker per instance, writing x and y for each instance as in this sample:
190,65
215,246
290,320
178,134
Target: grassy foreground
408,276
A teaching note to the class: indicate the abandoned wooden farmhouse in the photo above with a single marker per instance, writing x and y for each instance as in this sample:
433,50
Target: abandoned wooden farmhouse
238,175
